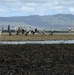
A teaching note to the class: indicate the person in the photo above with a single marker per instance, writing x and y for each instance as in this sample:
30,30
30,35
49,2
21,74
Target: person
33,32
69,28
17,30
51,31
23,31
29,29
36,30
2,29
9,31
0,32
8,28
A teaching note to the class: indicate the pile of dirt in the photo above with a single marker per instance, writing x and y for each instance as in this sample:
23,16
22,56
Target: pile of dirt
37,59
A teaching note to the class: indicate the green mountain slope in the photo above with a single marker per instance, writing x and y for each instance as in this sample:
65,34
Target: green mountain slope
46,21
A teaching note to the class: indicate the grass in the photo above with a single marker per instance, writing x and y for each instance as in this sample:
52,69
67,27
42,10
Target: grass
22,37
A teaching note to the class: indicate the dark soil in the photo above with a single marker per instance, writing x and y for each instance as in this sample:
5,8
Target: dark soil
37,59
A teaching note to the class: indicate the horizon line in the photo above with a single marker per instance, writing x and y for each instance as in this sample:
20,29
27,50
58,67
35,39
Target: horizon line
37,15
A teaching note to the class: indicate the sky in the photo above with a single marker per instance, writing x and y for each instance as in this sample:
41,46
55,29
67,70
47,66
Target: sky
35,7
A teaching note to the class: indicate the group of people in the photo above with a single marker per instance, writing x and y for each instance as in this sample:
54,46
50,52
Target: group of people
28,31
22,30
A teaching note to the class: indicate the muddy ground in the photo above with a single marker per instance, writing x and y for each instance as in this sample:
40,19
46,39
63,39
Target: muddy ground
23,37
37,59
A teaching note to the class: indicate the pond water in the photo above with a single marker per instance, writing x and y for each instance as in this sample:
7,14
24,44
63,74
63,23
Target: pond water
39,42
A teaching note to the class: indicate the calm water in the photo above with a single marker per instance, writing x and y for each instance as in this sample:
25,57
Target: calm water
39,42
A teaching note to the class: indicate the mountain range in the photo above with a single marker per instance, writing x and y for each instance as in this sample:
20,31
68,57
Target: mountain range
58,21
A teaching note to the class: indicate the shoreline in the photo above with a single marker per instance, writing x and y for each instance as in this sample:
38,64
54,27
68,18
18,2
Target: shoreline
39,42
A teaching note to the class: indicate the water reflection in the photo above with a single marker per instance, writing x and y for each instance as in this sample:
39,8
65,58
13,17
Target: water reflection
39,42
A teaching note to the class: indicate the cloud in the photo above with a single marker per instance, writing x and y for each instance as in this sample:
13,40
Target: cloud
40,7
23,1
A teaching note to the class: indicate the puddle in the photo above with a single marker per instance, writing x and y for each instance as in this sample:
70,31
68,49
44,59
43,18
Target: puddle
39,42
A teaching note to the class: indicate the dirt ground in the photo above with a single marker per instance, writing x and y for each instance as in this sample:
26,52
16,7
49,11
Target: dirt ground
22,37
37,59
